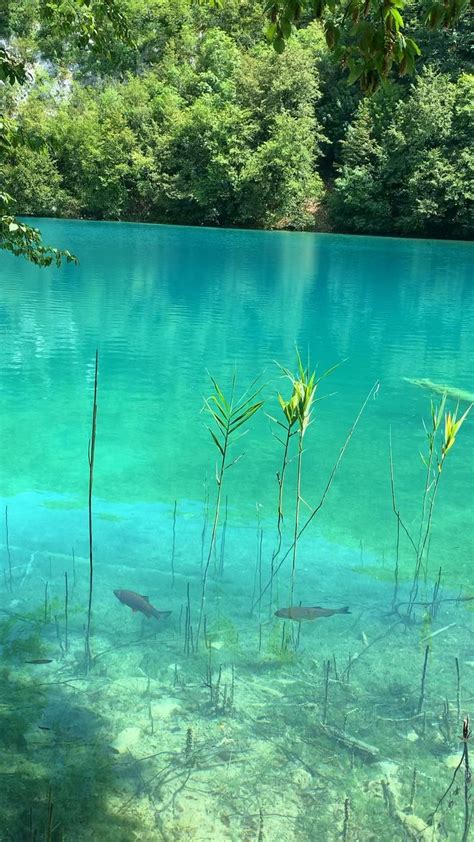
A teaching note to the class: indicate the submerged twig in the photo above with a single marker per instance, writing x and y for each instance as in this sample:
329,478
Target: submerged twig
423,678
463,761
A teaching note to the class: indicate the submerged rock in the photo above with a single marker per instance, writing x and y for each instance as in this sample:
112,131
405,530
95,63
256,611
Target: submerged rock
126,739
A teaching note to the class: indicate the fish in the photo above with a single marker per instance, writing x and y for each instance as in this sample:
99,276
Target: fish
140,602
441,389
40,661
312,612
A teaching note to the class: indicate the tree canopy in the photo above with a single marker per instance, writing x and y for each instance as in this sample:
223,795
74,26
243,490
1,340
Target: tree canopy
368,37
181,111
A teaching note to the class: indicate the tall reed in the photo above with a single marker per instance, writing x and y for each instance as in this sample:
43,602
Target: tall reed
297,410
434,461
227,416
91,456
314,511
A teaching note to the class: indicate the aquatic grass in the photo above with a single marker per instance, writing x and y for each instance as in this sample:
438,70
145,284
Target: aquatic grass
228,417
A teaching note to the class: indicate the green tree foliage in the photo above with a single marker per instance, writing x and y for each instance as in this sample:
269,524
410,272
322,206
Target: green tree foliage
180,111
87,22
409,167
212,133
368,37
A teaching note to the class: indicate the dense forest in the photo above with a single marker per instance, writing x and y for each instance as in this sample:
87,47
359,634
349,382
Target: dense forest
196,119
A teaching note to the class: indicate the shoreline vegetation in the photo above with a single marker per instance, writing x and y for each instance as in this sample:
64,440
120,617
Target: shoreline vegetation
201,122
33,220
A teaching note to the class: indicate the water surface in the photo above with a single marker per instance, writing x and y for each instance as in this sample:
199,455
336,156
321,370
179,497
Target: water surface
167,307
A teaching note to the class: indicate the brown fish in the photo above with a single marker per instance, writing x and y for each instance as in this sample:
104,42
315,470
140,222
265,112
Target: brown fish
139,602
312,612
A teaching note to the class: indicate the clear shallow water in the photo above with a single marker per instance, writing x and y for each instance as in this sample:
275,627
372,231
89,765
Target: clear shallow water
165,306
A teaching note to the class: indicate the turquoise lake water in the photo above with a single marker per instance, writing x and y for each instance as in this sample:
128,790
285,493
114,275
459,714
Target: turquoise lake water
168,307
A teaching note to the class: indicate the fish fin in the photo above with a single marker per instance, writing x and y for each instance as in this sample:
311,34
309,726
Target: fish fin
145,597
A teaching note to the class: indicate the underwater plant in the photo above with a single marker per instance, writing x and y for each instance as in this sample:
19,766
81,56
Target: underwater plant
464,763
228,417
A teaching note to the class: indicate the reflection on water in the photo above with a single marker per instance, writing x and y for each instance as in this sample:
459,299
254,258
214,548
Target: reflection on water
167,745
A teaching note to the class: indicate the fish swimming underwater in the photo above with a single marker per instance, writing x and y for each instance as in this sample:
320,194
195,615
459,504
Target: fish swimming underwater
312,612
441,389
40,661
139,602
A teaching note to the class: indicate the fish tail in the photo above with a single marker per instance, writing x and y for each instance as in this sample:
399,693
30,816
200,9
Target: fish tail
345,610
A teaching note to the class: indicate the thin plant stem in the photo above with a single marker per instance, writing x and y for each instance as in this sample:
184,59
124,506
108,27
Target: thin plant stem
73,569
281,485
173,548
223,537
219,480
91,456
228,417
205,520
10,576
423,679
66,612
458,688
325,492
297,517
421,547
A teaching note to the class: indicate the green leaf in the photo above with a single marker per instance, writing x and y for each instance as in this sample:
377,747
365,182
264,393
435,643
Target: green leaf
355,72
279,44
220,394
241,419
270,32
216,441
396,16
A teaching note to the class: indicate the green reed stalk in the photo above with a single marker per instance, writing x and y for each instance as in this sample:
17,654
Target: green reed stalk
10,576
91,456
173,548
228,417
297,517
297,410
434,465
66,612
329,483
281,485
